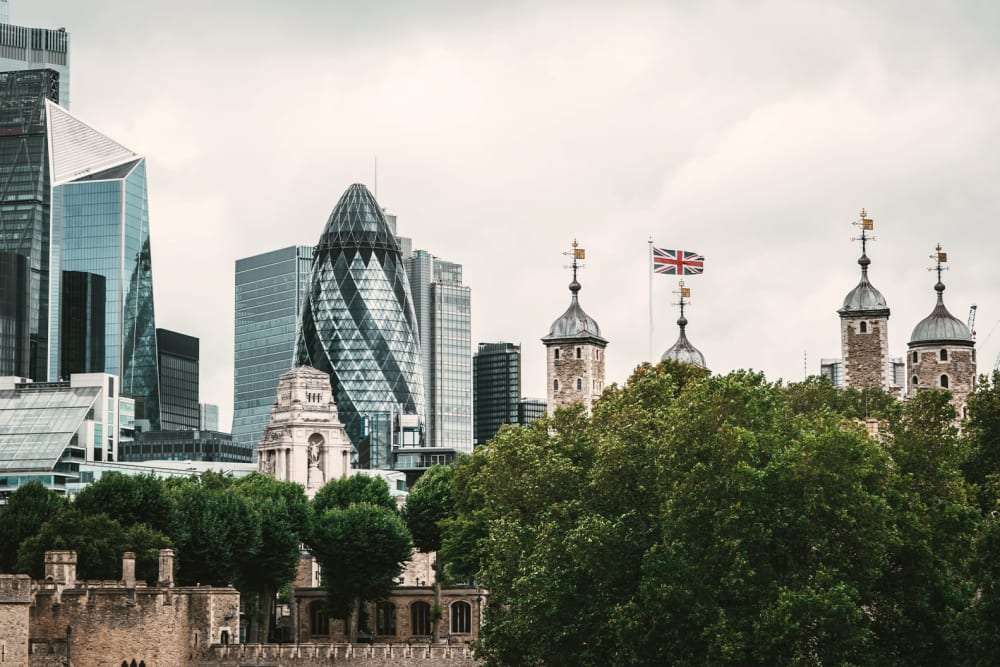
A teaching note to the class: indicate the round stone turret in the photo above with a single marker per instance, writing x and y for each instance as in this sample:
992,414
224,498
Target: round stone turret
574,351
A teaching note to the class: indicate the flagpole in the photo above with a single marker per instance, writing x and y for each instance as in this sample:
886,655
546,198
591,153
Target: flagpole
649,270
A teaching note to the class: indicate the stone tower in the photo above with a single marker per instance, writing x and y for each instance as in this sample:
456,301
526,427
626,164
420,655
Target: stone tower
15,601
864,324
304,442
683,351
574,351
942,352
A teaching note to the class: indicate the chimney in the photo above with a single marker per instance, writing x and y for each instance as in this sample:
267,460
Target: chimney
60,567
166,568
128,569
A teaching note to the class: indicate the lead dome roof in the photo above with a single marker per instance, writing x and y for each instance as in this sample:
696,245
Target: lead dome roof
683,351
864,299
575,322
941,327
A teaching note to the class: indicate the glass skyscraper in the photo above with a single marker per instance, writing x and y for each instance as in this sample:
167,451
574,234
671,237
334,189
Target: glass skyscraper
497,383
100,247
270,292
359,325
443,309
25,199
179,377
35,48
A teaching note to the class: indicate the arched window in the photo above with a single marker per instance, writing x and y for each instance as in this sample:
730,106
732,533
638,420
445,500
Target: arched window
132,664
579,352
124,663
385,618
555,384
915,381
944,355
420,618
914,356
864,327
319,622
944,381
579,384
557,353
461,618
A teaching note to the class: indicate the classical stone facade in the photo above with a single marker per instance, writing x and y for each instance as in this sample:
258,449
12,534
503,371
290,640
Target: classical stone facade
305,442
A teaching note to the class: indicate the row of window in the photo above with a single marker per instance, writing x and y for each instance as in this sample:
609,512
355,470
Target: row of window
942,355
578,353
579,385
942,381
385,619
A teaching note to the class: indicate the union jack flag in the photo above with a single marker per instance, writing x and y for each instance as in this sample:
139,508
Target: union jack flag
677,262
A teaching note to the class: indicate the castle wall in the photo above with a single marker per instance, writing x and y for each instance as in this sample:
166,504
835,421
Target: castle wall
865,354
960,368
359,655
589,368
15,596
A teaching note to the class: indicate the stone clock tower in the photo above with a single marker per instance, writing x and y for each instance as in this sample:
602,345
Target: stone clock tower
304,442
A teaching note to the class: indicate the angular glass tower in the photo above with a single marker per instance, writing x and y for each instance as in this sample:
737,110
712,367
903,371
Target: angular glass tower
25,199
100,247
270,290
359,325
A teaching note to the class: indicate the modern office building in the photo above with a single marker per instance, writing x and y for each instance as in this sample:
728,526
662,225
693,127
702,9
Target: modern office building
99,238
530,409
195,445
497,388
35,48
48,429
443,310
270,291
179,377
25,200
359,325
209,417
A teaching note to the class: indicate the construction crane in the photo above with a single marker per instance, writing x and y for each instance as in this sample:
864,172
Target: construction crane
972,319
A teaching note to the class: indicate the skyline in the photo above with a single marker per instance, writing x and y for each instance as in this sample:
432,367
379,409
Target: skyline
750,134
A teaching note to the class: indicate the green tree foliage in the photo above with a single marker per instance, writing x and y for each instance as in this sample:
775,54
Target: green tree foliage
354,489
216,532
129,499
99,542
724,520
429,504
360,541
284,513
26,511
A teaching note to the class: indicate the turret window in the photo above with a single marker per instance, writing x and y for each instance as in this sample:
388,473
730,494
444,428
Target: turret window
555,385
579,353
944,381
863,328
915,381
579,384
944,356
557,354
914,356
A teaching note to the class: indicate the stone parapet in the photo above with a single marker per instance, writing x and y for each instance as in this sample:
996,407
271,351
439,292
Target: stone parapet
362,655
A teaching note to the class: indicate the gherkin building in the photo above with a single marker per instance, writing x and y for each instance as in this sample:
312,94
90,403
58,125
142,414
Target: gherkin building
359,325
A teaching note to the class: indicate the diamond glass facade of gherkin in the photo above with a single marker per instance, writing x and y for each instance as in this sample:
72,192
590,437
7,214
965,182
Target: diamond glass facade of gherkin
359,325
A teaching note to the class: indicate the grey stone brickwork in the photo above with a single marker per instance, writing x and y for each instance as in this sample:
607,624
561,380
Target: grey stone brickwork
577,361
925,368
865,353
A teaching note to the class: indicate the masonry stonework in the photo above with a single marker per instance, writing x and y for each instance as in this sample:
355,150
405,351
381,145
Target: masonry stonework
865,353
949,367
575,371
15,597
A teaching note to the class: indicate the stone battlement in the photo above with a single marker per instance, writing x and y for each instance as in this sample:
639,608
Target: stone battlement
367,655
15,589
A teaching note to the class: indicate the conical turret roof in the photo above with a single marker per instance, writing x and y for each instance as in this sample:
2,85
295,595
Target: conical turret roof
683,351
941,326
575,322
864,299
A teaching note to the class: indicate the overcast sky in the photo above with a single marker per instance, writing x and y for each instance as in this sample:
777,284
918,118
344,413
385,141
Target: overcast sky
751,132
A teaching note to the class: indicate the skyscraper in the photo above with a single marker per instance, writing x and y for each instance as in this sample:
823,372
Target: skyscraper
497,388
359,325
100,246
179,376
442,306
34,48
25,200
270,291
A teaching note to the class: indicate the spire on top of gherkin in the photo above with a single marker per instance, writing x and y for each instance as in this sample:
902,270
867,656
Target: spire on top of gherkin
359,325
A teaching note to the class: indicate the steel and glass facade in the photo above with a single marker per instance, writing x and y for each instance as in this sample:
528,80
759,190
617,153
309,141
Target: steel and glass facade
270,291
443,309
100,236
497,387
179,377
25,200
359,325
24,48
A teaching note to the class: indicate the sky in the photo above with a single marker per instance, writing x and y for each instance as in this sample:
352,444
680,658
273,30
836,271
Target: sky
752,132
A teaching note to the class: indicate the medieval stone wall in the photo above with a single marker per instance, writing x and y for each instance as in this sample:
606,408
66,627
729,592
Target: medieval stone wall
359,655
15,596
865,354
959,367
567,369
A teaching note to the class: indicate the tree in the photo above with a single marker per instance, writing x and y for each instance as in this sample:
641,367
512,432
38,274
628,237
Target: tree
284,520
361,548
129,499
99,542
27,509
357,488
431,502
216,532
